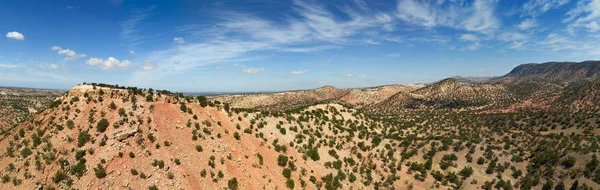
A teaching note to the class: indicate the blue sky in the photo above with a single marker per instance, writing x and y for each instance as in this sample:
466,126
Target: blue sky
263,45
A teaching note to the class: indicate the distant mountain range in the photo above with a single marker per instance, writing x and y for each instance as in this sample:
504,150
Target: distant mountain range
528,82
561,73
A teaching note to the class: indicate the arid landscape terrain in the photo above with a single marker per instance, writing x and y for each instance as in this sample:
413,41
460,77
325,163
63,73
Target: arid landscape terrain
20,104
300,94
537,127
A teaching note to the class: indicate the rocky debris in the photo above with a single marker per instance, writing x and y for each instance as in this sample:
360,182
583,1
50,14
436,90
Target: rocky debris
123,134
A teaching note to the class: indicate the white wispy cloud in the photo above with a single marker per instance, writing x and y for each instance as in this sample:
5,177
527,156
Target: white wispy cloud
569,43
315,23
592,26
512,36
42,74
538,7
372,42
15,35
474,41
300,72
253,70
131,52
350,75
468,37
216,51
313,29
325,27
110,63
393,55
149,66
178,40
130,27
51,66
70,54
474,46
308,49
483,19
585,14
477,16
557,42
249,70
517,44
294,73
417,13
437,39
7,66
516,38
528,24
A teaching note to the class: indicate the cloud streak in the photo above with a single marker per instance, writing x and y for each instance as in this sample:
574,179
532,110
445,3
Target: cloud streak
7,66
477,16
313,29
130,31
253,70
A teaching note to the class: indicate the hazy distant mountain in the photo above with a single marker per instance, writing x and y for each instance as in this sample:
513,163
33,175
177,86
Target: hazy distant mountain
561,73
548,79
